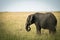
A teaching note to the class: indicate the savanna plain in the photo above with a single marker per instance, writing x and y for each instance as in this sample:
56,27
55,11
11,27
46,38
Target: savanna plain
12,27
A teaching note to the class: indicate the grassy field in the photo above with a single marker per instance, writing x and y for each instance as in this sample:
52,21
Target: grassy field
12,27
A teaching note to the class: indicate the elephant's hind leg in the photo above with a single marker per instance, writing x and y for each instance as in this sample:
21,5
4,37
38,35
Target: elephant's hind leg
53,31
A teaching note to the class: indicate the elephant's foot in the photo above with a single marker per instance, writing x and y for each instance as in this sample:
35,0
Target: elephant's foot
38,32
52,32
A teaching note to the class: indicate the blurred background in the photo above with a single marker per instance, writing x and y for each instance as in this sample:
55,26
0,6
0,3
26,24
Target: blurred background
13,15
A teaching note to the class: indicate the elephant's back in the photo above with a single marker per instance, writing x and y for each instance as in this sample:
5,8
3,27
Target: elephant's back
39,15
46,19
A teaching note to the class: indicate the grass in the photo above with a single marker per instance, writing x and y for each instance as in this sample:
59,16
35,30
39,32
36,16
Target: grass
12,27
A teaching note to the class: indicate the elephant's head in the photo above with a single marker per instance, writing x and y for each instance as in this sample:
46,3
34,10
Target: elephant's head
29,22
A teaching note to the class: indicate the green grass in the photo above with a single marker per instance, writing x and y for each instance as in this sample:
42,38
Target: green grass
12,27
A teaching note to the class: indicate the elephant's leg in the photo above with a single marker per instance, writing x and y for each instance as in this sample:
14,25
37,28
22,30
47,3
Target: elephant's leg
52,30
38,29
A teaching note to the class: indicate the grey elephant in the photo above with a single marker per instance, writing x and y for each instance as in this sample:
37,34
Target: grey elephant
42,20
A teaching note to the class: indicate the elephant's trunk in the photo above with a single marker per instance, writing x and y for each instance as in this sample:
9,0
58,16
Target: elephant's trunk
28,28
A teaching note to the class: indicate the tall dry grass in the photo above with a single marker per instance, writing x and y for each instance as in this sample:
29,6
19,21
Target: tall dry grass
12,27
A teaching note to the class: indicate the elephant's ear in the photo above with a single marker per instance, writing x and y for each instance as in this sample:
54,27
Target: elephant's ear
30,18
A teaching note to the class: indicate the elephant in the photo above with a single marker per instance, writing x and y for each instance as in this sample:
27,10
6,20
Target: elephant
42,21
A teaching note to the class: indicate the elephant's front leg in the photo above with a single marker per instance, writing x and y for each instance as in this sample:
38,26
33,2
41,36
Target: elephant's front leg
38,29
